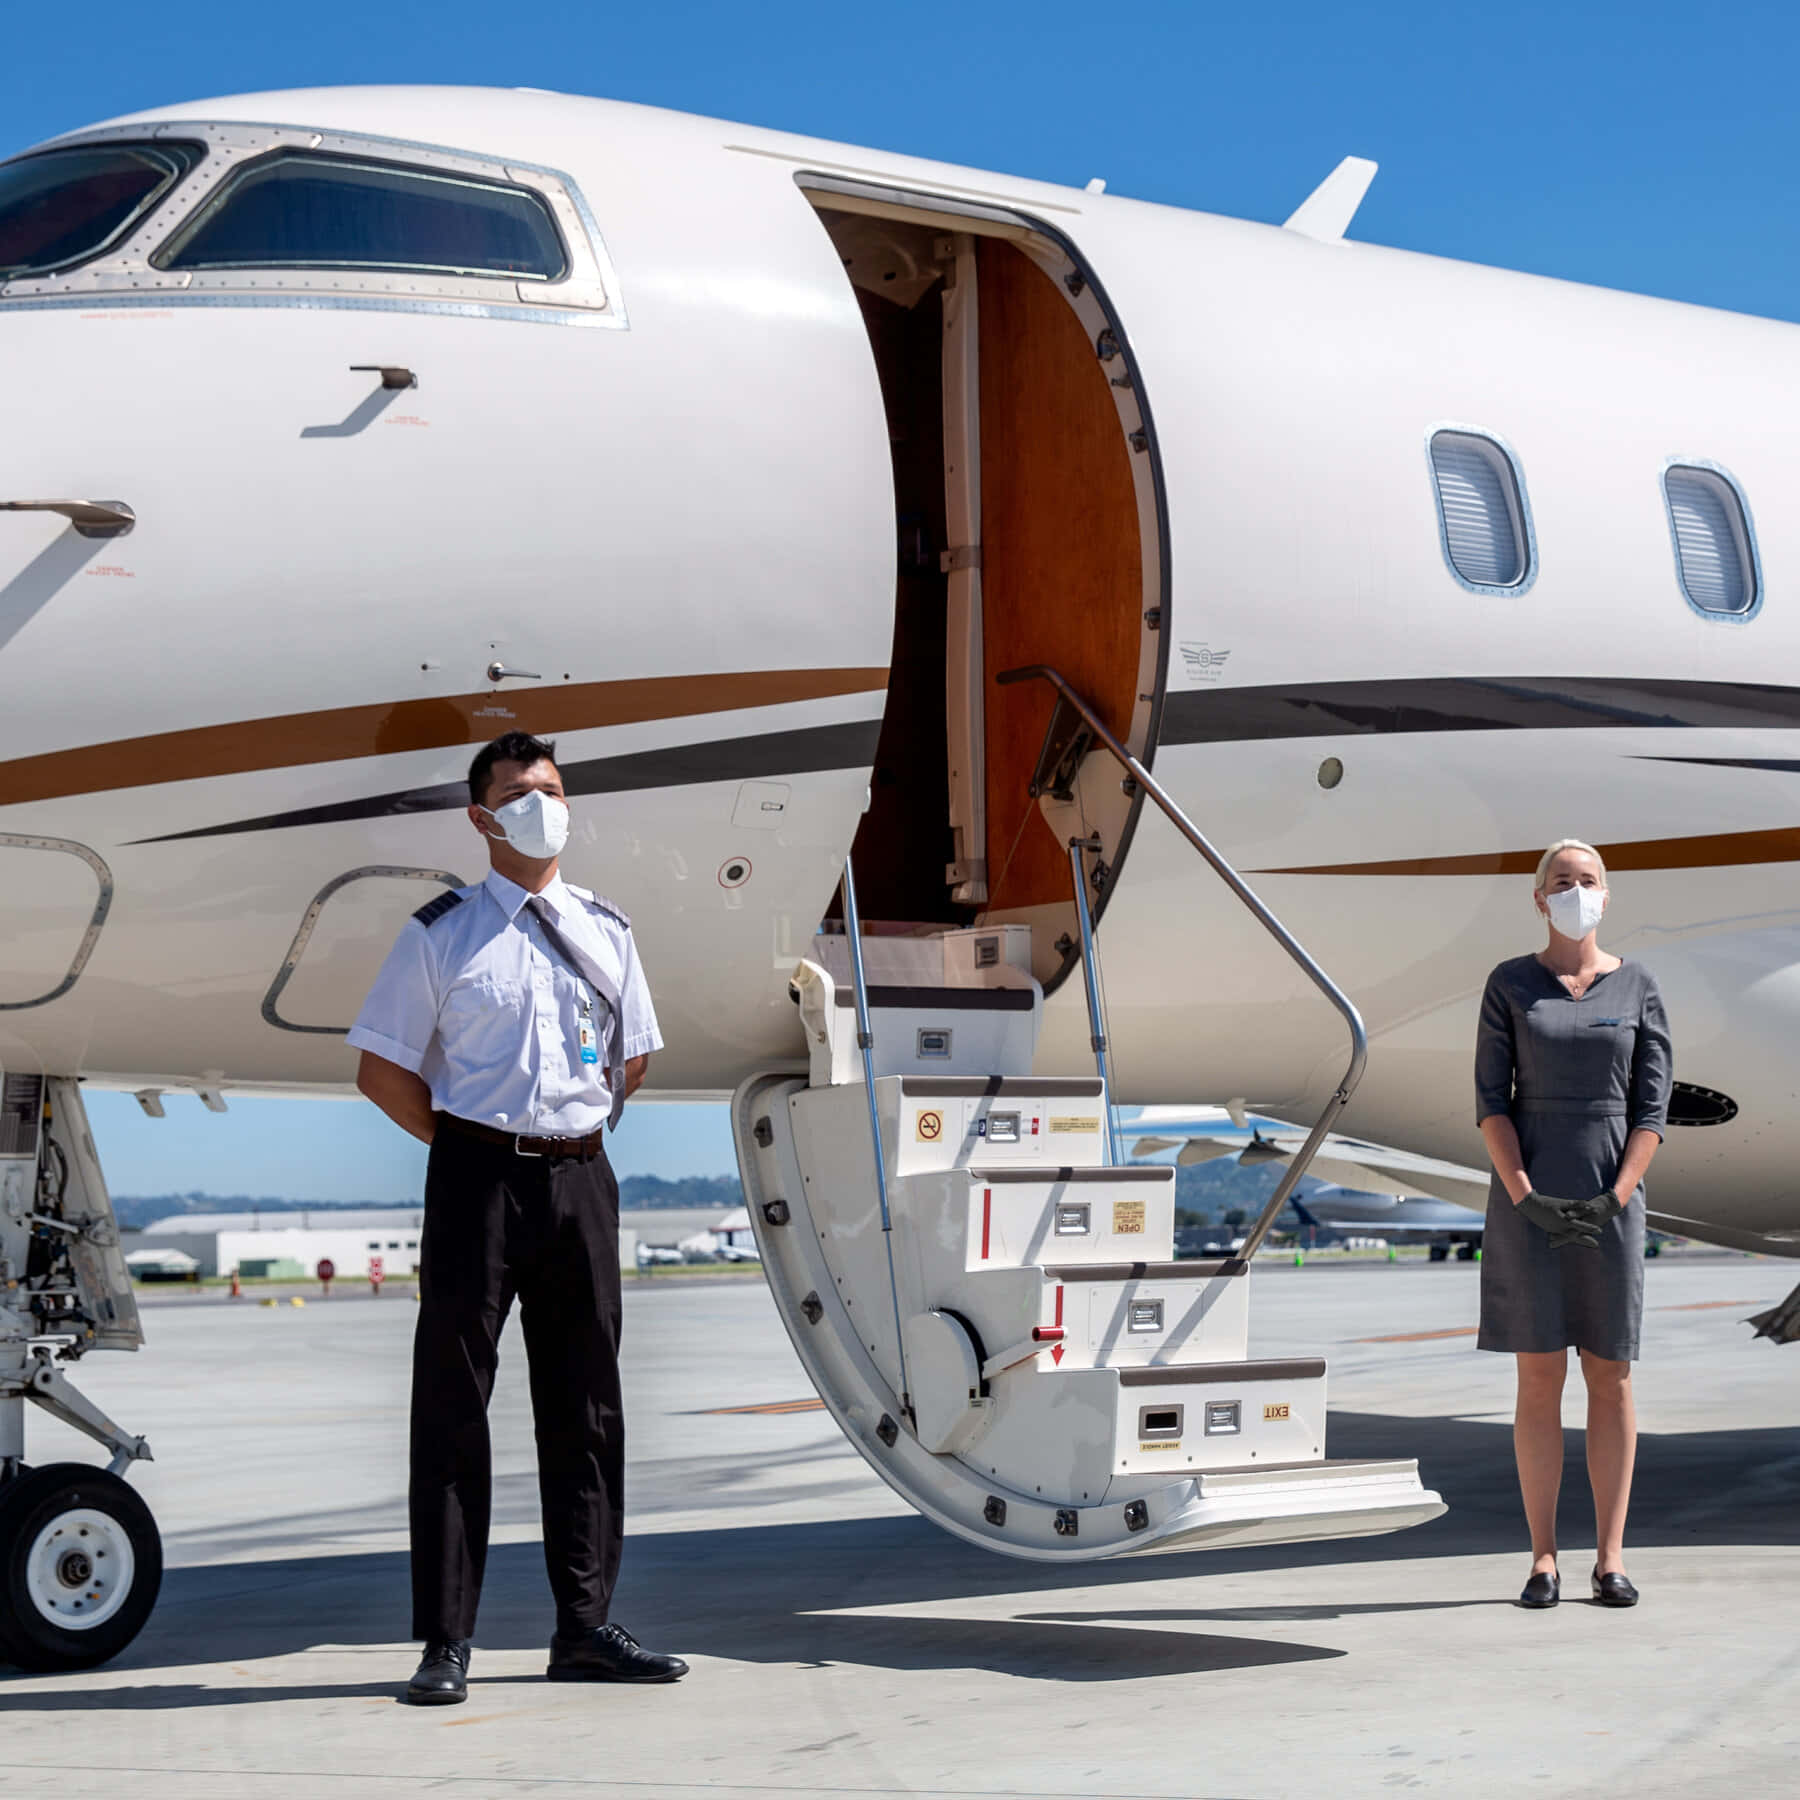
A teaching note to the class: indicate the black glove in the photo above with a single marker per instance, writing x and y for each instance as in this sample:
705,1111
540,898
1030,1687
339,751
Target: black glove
1563,1220
1601,1210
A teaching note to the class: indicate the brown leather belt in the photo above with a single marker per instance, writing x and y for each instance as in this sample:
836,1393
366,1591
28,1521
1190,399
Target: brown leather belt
553,1147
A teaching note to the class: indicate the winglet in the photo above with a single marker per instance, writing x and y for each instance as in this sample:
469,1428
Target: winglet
1326,212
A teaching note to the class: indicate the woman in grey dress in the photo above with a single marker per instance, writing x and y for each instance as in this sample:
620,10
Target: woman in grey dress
1572,1080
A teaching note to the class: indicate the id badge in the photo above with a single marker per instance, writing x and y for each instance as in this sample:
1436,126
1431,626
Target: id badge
586,1036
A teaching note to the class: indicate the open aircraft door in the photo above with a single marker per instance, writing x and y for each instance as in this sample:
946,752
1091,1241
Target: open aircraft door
984,1297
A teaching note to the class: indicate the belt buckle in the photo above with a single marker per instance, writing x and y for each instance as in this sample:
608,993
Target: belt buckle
519,1146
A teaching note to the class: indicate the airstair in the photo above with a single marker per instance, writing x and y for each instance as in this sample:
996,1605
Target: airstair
984,1296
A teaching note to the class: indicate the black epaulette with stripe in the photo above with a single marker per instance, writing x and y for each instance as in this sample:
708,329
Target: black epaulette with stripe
433,910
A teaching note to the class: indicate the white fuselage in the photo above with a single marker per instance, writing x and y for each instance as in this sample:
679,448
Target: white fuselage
681,517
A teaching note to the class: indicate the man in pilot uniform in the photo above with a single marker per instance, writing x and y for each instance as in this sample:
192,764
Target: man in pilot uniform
506,1028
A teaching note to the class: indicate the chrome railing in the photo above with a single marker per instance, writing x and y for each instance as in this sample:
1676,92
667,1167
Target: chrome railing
1090,969
865,1042
1359,1037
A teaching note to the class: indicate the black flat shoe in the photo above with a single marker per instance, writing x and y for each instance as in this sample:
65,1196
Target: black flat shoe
610,1653
1614,1590
1542,1591
442,1677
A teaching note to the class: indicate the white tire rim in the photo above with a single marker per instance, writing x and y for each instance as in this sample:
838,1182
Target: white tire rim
79,1570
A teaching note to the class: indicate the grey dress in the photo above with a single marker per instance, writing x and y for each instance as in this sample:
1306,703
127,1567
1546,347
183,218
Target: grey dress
1576,1077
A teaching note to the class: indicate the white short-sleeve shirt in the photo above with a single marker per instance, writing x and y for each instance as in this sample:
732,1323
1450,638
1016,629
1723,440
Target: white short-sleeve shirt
476,1001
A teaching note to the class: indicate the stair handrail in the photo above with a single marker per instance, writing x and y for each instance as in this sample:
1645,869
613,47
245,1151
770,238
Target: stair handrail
865,1042
1090,968
1359,1037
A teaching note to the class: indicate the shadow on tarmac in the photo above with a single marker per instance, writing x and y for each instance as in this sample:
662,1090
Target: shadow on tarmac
784,1593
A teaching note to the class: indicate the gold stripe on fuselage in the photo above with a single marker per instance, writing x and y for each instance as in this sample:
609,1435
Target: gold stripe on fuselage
1728,849
341,733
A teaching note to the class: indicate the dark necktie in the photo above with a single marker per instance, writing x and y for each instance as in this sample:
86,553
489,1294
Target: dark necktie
605,991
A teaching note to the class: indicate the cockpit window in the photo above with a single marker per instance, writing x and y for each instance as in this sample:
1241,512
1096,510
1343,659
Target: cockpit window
60,207
300,210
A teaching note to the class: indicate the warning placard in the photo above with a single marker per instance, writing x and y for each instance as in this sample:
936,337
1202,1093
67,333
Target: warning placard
929,1127
1128,1218
1075,1122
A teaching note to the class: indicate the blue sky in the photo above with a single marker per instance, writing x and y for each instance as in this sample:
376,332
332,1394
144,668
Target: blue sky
1648,146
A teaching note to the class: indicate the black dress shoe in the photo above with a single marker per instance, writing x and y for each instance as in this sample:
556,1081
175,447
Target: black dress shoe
609,1653
442,1677
1614,1590
1541,1591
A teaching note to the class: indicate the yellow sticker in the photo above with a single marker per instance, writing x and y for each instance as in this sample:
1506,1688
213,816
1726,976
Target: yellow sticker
1277,1409
929,1127
1128,1218
1160,1444
1075,1123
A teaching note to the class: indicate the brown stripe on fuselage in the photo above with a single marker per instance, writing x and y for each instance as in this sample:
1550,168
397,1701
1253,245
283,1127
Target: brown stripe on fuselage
295,740
1721,850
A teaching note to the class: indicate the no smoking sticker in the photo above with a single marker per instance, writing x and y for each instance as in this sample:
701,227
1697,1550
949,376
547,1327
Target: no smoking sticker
929,1127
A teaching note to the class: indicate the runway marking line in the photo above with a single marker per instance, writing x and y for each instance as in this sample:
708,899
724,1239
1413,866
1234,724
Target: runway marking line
1420,1337
1456,1331
1709,1305
766,1407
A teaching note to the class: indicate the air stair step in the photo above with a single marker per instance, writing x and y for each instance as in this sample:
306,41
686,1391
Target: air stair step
1130,1315
1081,1430
1015,1218
1129,1442
953,1003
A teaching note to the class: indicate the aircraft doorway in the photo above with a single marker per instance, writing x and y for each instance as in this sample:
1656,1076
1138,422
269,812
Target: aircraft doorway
1029,530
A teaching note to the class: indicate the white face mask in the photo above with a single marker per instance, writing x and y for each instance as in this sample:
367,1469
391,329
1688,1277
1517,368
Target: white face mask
1576,911
535,824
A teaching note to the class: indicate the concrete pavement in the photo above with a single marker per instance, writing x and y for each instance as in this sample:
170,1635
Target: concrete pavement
842,1646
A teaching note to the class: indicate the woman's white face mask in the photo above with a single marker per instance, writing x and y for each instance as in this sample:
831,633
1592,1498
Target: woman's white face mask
1576,911
535,824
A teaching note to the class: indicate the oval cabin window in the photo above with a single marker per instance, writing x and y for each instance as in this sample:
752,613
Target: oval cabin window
1715,556
1481,512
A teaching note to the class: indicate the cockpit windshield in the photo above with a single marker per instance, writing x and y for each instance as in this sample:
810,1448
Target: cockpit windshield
60,207
300,210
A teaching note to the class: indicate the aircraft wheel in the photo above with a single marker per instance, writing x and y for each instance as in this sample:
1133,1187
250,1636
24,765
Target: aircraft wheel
1465,1252
1440,1252
80,1566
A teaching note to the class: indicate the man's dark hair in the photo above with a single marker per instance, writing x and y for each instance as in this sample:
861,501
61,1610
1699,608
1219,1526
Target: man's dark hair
510,746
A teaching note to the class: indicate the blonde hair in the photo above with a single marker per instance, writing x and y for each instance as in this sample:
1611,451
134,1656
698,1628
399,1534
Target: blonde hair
1556,849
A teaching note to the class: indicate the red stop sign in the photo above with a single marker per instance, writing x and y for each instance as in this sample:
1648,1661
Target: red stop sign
326,1269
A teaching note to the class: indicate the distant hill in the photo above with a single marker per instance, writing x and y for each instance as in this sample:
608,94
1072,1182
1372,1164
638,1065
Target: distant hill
135,1211
692,1190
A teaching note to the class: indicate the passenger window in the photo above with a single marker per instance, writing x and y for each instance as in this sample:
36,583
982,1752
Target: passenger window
1485,527
300,210
60,207
1715,553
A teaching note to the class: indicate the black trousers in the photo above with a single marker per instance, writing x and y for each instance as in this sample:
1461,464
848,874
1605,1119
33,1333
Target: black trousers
497,1225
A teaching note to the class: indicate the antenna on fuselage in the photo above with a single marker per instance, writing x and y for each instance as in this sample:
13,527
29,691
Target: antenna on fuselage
1326,212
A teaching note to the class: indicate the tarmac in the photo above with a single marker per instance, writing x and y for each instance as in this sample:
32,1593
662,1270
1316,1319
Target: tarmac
842,1646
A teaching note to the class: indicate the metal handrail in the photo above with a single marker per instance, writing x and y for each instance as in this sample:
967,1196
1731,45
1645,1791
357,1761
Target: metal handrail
1078,848
865,1042
1359,1037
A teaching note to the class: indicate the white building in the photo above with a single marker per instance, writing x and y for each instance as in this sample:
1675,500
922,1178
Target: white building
294,1243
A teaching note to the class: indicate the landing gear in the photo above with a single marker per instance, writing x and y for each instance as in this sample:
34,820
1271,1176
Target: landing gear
1465,1252
80,1566
1440,1252
80,1559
